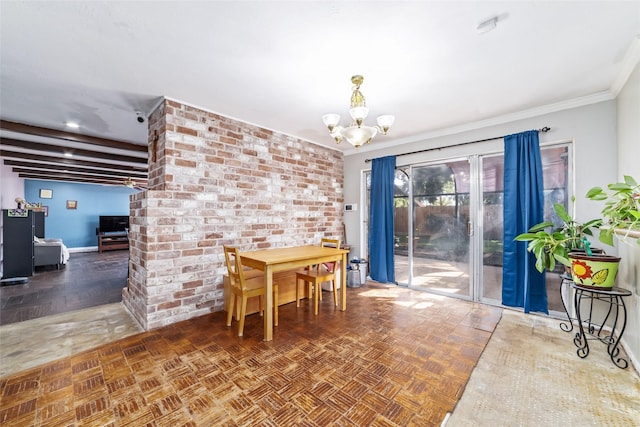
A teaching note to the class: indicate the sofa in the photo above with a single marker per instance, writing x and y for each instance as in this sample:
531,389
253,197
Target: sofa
50,252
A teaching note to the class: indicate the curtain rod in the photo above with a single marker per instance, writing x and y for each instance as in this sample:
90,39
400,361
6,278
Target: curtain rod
544,129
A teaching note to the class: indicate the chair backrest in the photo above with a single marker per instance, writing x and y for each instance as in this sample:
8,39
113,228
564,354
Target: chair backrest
234,266
330,243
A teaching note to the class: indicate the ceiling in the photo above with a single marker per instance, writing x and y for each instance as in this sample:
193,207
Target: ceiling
281,65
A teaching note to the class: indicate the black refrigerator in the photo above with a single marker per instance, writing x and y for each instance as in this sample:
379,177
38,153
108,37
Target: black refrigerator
17,243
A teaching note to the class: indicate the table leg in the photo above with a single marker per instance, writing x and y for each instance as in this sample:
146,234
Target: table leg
343,283
268,305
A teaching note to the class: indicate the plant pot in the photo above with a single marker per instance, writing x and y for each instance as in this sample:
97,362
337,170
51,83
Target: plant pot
595,251
594,271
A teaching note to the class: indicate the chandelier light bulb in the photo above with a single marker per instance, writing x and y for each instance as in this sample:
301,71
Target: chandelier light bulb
337,134
358,114
331,121
385,122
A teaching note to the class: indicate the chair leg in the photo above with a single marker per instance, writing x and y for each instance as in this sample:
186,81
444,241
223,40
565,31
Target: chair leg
335,292
317,295
232,298
275,305
297,293
243,314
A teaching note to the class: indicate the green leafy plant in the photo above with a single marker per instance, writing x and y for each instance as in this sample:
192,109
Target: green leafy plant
551,247
621,209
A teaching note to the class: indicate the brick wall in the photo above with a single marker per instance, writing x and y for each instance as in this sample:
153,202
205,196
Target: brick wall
215,181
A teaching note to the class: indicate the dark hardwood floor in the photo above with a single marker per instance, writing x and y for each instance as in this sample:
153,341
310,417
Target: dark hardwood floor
88,280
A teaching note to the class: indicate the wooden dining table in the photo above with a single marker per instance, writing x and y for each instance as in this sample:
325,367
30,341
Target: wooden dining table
279,259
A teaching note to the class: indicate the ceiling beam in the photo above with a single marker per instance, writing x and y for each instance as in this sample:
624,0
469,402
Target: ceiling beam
54,176
36,146
72,162
69,136
74,169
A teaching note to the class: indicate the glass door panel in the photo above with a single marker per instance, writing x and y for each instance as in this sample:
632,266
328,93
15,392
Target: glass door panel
441,260
555,170
555,176
492,173
402,234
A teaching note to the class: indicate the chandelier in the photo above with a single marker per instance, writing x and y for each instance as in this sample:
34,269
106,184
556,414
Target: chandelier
356,133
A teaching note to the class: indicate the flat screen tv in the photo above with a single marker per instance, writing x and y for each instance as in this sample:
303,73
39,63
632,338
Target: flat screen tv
113,223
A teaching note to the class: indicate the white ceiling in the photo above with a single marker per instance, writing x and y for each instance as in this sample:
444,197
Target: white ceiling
281,65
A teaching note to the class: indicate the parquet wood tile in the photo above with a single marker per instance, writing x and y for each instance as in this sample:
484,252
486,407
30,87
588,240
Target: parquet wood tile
380,363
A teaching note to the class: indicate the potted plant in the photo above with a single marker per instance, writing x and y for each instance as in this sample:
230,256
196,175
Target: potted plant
621,215
550,247
594,270
621,211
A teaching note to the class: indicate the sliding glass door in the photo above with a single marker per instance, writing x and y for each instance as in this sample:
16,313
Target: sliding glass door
449,223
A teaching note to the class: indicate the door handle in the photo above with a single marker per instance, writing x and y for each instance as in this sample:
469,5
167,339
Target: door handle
469,228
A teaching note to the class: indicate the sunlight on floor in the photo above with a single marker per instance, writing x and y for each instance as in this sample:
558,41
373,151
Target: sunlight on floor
404,297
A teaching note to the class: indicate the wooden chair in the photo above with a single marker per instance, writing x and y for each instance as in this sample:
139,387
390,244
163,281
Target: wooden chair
244,286
316,275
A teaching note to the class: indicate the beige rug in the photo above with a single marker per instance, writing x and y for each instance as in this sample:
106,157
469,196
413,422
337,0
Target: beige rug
530,375
34,342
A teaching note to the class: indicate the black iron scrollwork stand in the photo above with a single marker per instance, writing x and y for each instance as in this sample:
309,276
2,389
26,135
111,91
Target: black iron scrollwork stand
566,281
615,298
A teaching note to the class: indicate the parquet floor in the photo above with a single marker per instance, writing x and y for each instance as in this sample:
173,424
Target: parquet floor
396,357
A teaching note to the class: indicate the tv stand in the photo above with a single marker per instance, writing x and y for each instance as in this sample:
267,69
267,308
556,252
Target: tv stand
113,241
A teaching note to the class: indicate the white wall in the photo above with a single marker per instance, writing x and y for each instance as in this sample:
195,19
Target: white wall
628,103
11,186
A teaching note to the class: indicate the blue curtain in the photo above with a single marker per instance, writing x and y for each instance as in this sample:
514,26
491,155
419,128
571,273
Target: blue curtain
381,220
522,285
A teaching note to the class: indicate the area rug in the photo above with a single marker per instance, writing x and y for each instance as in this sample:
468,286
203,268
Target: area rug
530,375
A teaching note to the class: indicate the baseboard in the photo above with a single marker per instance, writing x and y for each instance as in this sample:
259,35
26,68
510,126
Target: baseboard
84,249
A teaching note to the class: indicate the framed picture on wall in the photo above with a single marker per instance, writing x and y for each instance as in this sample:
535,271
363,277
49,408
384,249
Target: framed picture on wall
46,194
72,204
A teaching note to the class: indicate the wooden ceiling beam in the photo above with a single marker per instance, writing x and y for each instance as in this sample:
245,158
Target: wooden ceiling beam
80,180
70,136
54,176
71,162
48,166
36,146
